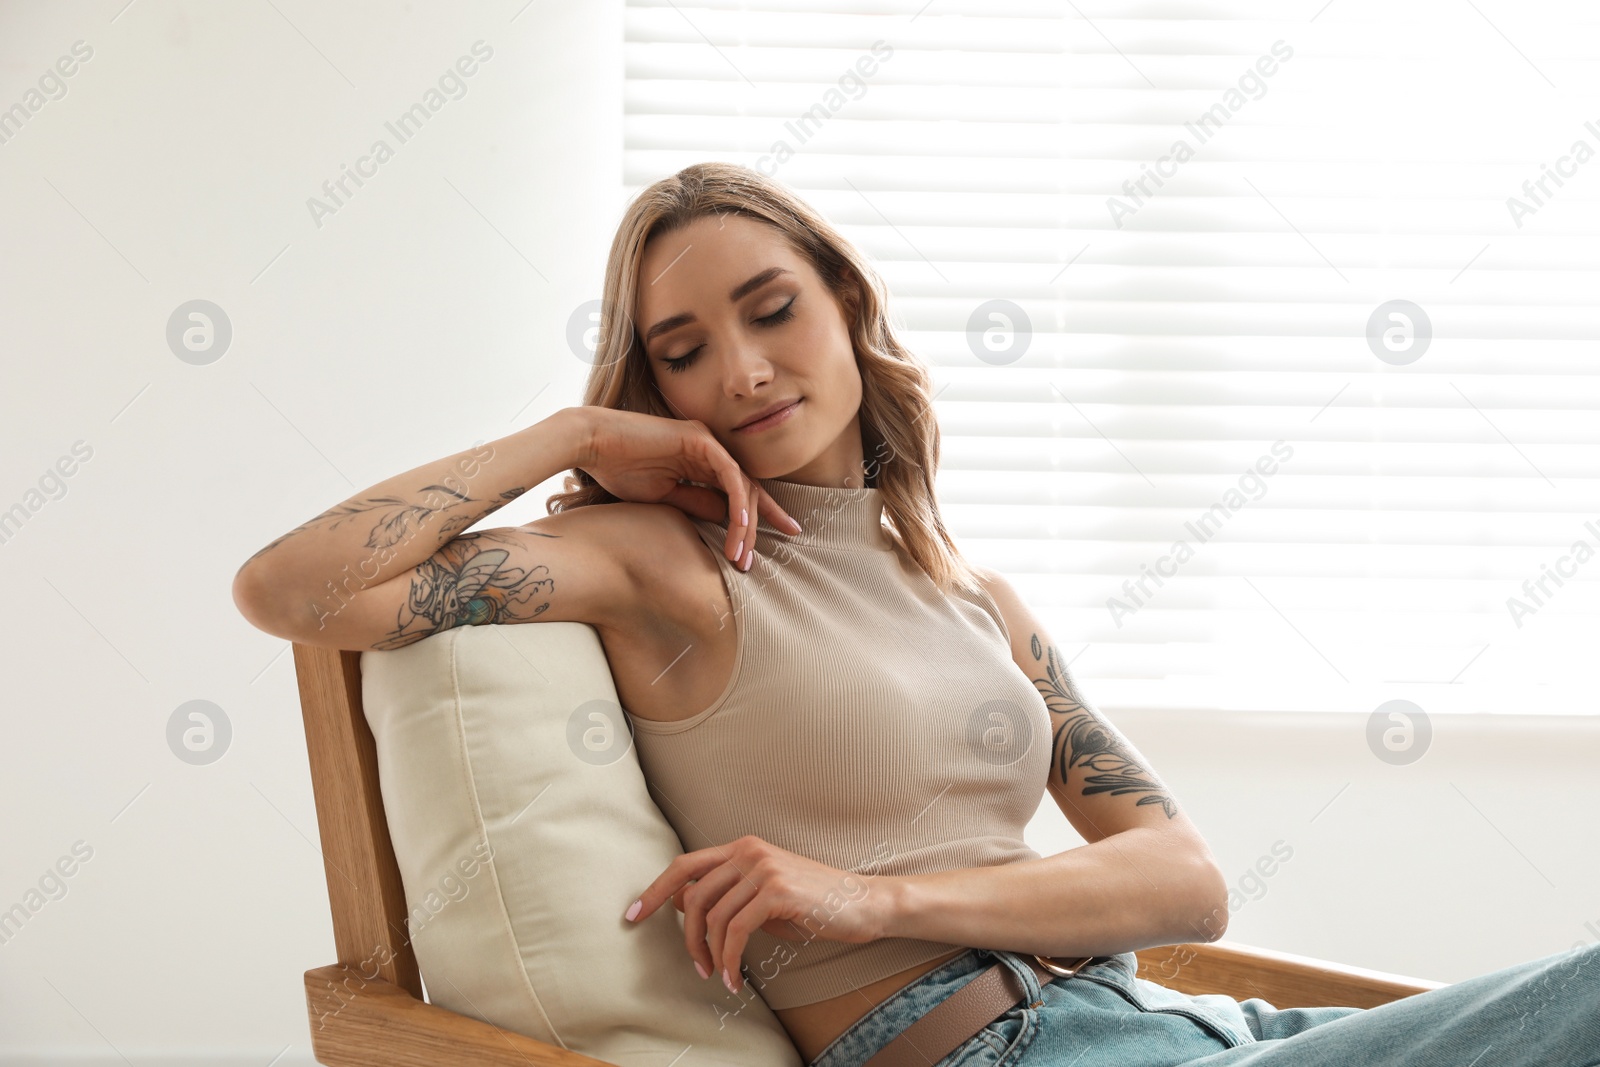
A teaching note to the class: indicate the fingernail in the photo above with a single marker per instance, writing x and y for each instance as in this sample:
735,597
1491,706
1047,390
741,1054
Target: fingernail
633,912
793,522
738,555
751,558
728,981
702,969
744,516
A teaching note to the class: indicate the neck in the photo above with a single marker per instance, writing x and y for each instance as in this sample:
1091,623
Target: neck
830,516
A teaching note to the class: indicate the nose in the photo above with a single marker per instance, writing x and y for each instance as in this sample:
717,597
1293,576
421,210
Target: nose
743,369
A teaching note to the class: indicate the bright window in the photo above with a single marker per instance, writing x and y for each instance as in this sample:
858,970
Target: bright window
1265,333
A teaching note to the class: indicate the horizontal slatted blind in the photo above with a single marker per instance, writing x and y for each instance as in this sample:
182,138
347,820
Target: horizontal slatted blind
1205,395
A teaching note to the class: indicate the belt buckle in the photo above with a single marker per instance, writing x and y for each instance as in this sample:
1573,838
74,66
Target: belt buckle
1062,970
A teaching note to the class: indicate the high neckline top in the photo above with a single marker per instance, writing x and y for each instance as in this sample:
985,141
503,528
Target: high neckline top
870,722
829,516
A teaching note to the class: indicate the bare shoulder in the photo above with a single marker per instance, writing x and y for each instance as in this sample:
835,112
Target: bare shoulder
1020,625
632,533
1005,597
598,520
990,578
656,547
671,562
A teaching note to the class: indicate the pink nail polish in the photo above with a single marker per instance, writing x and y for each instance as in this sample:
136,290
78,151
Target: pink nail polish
728,981
744,516
749,559
702,969
633,912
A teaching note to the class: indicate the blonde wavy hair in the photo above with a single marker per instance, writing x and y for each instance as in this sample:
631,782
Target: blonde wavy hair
899,437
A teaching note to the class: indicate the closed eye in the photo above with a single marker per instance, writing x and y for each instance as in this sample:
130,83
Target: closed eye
777,318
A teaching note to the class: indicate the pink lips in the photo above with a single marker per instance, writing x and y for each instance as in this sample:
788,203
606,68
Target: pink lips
775,419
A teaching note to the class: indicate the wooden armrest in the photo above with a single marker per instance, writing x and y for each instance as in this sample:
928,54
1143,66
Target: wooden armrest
359,1022
1280,978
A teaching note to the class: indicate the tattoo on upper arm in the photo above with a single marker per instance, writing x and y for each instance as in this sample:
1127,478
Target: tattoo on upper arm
468,583
1084,739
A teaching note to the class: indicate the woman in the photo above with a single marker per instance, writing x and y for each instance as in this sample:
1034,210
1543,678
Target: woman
847,724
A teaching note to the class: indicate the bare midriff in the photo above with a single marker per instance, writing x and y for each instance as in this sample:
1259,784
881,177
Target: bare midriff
813,1027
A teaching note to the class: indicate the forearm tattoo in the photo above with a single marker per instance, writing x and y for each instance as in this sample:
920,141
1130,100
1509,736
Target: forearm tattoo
469,582
399,520
1083,739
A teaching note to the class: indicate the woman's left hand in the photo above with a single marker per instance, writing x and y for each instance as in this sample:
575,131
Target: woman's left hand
727,891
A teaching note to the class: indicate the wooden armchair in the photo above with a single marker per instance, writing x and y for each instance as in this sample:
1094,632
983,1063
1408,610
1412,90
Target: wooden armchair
367,1010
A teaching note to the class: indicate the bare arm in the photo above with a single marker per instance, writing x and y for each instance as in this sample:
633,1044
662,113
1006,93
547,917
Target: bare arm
405,526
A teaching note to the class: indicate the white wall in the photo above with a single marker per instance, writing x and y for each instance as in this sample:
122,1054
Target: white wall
411,323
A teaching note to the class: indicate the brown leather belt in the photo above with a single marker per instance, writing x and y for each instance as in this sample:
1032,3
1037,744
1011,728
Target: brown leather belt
968,1010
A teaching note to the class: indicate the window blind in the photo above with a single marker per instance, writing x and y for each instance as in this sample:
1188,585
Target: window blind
1264,334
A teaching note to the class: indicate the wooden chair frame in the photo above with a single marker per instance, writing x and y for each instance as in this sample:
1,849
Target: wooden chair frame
367,1010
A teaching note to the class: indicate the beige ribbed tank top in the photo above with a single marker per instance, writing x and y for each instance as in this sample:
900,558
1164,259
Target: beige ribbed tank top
871,723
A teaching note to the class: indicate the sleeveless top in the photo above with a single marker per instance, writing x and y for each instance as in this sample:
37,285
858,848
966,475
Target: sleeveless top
871,723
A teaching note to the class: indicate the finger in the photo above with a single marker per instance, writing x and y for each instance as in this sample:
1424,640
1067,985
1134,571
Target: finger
733,483
725,472
677,898
696,500
753,491
681,871
769,505
698,901
741,909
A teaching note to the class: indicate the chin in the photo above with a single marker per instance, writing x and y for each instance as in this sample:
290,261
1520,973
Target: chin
766,470
767,466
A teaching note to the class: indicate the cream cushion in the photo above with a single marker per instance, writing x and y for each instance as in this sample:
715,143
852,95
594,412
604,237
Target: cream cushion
523,830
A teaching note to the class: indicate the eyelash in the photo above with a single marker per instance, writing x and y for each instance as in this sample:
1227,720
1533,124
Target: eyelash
777,318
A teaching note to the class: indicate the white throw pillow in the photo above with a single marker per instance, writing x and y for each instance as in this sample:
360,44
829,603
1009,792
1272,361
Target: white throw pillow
523,830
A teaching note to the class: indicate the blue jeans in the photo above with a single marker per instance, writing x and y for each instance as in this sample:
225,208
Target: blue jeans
1544,1013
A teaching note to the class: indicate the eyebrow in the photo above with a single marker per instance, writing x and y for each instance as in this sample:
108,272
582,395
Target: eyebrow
740,291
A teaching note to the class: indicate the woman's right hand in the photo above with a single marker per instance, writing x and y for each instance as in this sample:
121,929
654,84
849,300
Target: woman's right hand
648,458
